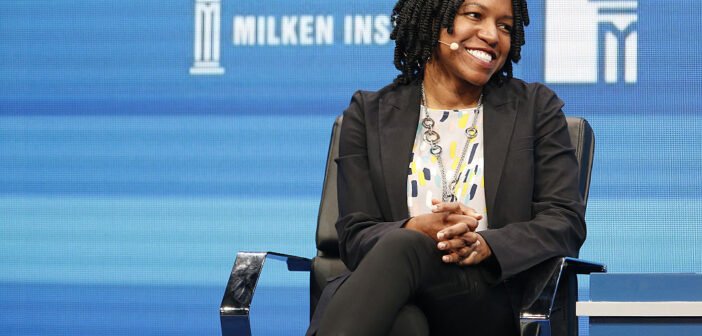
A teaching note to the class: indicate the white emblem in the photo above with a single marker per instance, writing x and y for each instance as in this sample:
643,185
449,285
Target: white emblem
207,38
590,41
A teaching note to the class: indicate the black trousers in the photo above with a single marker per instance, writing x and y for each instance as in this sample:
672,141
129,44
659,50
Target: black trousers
403,288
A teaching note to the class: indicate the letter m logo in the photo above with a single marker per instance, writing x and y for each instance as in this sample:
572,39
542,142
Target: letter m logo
591,41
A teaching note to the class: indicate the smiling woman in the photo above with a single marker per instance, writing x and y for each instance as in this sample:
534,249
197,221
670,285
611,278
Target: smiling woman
450,180
484,33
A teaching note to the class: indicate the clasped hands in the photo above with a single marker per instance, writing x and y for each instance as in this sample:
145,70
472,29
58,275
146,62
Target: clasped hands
452,226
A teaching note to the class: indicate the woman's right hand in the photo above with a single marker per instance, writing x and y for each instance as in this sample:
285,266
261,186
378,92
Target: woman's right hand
444,215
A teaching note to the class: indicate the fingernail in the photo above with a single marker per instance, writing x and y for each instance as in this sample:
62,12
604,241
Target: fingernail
434,208
445,258
440,235
442,245
477,243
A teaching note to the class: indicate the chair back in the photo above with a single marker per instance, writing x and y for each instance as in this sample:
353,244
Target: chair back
583,139
327,262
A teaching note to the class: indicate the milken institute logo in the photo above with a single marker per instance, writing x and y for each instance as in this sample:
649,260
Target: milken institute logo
207,38
591,41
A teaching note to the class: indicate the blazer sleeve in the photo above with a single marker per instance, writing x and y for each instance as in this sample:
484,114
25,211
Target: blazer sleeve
362,221
557,226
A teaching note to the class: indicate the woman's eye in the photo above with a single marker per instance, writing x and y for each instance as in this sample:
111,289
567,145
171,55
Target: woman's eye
473,15
505,27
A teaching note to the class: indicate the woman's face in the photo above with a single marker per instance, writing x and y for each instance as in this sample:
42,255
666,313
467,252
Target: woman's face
482,29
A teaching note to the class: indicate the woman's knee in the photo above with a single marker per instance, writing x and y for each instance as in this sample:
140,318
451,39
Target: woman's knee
407,246
406,242
404,253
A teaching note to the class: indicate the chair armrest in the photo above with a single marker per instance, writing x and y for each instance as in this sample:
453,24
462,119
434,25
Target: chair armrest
543,280
236,303
579,266
541,285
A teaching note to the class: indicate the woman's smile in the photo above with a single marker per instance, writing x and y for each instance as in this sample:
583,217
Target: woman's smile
481,55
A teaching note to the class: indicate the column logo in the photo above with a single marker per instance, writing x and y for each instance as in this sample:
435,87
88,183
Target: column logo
207,38
591,41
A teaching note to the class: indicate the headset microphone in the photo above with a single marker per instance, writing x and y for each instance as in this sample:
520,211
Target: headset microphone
453,46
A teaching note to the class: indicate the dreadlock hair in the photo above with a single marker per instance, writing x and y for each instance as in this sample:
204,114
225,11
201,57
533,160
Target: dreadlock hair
418,23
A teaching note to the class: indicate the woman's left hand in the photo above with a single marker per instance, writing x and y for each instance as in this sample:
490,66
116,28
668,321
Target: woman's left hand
463,246
467,248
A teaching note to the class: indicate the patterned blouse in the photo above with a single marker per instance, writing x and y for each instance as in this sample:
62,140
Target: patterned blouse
424,176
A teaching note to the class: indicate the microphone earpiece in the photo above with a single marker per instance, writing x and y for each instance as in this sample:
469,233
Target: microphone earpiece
453,46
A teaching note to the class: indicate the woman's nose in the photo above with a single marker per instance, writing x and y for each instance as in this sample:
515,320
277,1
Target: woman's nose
488,33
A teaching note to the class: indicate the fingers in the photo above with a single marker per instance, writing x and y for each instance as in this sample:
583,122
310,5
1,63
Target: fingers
468,250
480,253
451,258
463,256
472,222
453,207
457,230
429,224
474,258
459,249
454,214
458,244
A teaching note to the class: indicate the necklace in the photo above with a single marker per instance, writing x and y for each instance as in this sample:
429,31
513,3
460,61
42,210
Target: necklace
432,137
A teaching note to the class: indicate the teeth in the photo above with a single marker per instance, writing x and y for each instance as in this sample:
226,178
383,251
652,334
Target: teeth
481,55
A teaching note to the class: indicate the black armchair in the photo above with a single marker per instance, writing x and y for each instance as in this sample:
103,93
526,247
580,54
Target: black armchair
548,306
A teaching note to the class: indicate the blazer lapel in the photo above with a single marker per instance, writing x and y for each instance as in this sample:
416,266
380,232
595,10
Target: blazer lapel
498,124
397,126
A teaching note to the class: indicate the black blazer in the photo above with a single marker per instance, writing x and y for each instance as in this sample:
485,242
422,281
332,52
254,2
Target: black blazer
534,207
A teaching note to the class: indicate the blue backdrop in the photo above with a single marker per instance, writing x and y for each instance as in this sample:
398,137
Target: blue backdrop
142,147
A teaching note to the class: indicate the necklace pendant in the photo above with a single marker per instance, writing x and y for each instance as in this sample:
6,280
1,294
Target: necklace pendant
431,136
449,197
449,194
471,132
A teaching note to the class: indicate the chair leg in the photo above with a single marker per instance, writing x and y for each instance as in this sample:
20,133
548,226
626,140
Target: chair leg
535,327
572,293
564,322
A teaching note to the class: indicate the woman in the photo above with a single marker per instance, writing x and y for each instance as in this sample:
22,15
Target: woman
453,181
